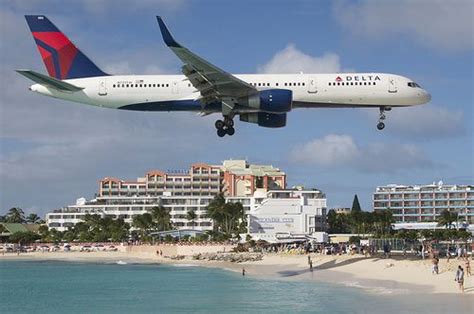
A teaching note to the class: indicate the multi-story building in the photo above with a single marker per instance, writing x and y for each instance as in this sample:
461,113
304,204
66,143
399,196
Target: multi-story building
180,191
424,203
284,214
242,179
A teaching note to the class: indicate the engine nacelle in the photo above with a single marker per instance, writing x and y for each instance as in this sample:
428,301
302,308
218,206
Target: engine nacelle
265,119
271,100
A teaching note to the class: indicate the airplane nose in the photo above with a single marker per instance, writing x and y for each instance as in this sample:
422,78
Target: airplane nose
427,96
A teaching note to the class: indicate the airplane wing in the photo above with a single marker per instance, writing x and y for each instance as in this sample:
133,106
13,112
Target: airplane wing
214,84
49,81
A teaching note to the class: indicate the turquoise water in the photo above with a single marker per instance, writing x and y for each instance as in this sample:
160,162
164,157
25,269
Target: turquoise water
65,287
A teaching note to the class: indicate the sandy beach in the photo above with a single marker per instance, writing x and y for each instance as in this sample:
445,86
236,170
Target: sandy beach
377,275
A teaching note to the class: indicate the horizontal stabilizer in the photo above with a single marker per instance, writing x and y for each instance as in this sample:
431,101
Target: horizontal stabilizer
49,81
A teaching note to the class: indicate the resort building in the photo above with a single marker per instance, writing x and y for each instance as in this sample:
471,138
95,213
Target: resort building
180,191
242,179
424,203
284,215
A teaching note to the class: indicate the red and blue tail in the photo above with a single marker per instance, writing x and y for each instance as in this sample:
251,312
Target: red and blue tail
62,59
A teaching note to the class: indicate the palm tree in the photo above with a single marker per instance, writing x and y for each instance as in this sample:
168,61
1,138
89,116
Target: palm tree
446,218
191,216
215,211
143,223
15,215
33,218
161,218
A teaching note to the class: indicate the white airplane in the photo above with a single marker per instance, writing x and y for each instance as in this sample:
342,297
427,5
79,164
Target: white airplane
263,99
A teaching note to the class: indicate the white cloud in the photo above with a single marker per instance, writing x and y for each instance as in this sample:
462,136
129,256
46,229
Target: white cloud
292,60
447,25
334,150
329,150
428,121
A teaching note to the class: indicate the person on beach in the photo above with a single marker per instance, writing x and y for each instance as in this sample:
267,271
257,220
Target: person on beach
311,266
434,267
468,267
460,278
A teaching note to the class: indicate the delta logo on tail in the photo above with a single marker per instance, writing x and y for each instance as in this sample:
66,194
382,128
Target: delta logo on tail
61,58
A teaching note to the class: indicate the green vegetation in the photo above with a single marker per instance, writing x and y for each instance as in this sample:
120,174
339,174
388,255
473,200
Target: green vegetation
360,222
447,218
191,216
229,218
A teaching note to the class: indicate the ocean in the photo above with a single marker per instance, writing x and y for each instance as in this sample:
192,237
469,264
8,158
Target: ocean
71,287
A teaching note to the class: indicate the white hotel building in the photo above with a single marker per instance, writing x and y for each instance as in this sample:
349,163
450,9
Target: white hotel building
288,214
424,203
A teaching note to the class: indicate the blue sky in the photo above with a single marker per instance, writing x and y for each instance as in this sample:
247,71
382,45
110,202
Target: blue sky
52,152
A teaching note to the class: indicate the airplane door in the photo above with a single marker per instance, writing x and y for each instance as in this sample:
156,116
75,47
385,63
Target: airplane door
102,88
392,85
174,86
312,85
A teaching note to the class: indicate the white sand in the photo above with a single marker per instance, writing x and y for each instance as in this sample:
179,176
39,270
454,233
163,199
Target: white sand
387,276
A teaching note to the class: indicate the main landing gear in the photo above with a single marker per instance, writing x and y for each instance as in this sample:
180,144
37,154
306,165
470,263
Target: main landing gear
225,127
382,117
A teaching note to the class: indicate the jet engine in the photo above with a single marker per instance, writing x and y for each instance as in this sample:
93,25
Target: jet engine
265,119
270,100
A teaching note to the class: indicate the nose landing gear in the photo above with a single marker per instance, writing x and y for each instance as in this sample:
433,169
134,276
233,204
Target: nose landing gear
382,117
225,127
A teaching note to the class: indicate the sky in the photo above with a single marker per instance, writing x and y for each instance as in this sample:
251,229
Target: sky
53,152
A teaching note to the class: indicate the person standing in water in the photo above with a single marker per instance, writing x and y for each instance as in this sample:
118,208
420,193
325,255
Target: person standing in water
243,272
460,278
468,267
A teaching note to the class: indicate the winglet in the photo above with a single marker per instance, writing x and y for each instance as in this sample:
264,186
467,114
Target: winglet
169,40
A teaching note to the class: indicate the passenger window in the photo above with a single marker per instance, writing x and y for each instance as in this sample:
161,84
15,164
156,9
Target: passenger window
365,83
302,84
167,85
123,85
276,84
299,84
352,83
338,84
113,86
127,85
285,84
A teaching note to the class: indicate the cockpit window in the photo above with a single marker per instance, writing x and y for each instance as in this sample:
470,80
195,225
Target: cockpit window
413,84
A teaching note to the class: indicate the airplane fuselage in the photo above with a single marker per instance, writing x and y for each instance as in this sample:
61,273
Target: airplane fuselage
176,93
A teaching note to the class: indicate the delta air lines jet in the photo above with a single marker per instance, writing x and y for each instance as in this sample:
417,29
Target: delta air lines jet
263,99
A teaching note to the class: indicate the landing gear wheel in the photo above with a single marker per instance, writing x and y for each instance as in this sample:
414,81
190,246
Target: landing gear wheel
230,131
221,132
219,124
380,125
228,122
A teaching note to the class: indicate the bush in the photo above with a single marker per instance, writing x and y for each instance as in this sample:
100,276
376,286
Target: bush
354,240
24,237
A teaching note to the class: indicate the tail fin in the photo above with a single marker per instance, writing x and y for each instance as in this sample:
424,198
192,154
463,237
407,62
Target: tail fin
60,56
